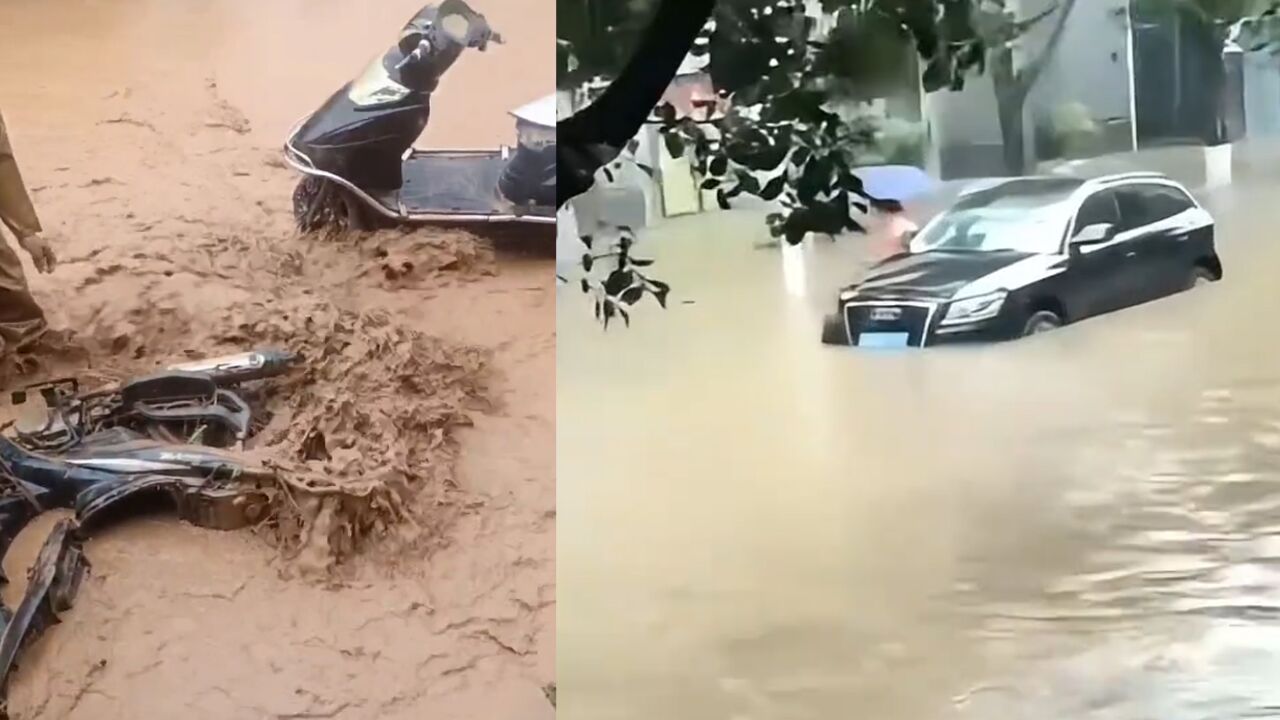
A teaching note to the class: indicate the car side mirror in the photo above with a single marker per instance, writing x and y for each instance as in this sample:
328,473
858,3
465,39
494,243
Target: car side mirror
1091,235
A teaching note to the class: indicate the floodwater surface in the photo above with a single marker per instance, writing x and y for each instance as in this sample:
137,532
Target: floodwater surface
755,526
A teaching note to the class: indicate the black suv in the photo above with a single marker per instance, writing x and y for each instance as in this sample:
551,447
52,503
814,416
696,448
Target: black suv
1021,256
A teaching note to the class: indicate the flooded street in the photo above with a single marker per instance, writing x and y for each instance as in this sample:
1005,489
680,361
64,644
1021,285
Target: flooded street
1083,524
149,133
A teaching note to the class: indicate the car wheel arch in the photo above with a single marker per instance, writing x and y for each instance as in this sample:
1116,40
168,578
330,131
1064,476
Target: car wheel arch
1049,303
1210,263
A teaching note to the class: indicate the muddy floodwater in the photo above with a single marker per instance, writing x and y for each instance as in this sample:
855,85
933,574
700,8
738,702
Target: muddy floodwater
754,526
149,132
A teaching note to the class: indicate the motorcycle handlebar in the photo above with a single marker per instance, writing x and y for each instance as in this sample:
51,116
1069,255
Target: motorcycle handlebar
245,367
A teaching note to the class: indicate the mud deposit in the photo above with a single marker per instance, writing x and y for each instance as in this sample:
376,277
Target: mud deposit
418,439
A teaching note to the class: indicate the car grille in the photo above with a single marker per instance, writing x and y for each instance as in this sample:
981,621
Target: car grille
910,319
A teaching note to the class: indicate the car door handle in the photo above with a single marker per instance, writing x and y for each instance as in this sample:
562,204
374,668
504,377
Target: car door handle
1131,253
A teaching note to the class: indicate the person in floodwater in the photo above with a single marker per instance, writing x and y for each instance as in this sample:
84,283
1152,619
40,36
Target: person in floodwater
22,322
890,229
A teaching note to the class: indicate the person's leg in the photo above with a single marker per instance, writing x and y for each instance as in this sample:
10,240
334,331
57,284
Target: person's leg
16,211
21,319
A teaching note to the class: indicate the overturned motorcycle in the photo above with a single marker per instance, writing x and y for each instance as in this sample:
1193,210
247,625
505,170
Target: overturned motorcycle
357,157
170,436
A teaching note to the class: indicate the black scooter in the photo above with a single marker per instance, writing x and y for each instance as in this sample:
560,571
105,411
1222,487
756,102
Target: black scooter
173,433
356,150
96,453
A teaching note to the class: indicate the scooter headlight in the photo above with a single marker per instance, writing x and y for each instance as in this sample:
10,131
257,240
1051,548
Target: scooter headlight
375,87
976,308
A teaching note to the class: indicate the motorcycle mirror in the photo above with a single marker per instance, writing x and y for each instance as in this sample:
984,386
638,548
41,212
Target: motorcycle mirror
456,27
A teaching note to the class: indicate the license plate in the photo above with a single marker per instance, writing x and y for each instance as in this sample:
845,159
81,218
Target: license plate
883,340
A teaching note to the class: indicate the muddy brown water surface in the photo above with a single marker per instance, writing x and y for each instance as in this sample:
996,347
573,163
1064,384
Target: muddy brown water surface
1082,524
149,133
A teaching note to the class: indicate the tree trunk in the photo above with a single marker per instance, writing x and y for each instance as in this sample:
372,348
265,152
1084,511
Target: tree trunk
1012,129
1013,86
1009,101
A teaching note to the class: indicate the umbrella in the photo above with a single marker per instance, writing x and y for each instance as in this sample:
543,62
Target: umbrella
895,182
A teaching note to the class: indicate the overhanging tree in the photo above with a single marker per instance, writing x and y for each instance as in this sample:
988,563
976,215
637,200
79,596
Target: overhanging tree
791,77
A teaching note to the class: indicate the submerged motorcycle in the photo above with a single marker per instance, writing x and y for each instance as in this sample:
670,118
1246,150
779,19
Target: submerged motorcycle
168,436
356,152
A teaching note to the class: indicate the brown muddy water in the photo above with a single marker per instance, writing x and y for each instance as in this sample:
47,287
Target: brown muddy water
149,132
1081,525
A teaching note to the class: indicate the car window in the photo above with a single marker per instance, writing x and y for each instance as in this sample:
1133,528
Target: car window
1163,201
1145,204
1017,216
1099,207
1133,208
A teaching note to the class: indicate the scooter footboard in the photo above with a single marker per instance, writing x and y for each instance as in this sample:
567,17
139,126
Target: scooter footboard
452,182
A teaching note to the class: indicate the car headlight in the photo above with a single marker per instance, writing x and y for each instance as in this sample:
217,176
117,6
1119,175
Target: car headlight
976,308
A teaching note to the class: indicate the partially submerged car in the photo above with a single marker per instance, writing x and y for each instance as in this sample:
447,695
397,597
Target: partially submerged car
1021,256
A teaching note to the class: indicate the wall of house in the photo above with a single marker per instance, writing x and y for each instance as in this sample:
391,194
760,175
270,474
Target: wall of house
1091,64
1262,95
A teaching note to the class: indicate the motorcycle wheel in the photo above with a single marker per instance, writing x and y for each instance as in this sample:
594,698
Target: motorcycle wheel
319,203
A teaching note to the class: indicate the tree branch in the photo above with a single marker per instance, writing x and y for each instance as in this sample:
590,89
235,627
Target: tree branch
596,134
1027,78
1021,26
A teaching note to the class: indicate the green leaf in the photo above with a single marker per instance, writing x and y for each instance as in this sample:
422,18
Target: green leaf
618,281
773,188
748,184
609,308
675,144
660,291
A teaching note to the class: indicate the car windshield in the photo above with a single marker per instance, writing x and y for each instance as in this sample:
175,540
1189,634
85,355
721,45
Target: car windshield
1027,219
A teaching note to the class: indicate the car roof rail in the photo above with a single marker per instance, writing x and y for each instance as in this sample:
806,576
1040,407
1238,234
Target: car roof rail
1135,175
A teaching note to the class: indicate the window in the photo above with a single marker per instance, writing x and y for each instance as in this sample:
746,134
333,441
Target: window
1146,204
1163,202
1026,216
1099,207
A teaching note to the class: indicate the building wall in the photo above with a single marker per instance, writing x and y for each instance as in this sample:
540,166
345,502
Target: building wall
1091,64
1262,95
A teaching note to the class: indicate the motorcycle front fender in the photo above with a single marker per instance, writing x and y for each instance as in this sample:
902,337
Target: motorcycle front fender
53,583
